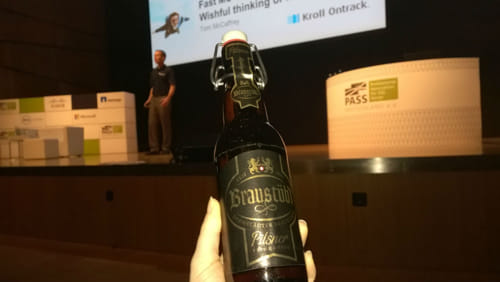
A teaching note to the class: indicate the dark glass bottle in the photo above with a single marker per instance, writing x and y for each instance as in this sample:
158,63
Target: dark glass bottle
260,236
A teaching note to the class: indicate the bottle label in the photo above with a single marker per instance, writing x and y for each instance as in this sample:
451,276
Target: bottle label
244,92
259,212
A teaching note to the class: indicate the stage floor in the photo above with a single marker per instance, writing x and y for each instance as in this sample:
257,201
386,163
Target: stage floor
303,158
141,158
30,259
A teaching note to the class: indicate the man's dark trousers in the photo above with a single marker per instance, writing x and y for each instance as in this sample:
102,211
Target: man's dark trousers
159,125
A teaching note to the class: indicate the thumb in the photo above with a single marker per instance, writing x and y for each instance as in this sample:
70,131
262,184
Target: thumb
207,247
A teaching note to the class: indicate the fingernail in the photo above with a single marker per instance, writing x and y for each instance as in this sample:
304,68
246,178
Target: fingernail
303,221
210,205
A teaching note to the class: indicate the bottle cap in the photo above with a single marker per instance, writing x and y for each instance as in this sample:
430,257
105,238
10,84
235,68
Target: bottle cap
234,35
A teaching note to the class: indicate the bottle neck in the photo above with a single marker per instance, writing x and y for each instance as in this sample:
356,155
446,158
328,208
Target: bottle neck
233,111
243,98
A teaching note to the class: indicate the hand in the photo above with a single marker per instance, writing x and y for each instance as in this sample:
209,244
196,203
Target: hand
164,102
146,104
206,264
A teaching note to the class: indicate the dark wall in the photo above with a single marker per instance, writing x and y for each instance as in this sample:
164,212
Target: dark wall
129,51
52,47
296,91
56,47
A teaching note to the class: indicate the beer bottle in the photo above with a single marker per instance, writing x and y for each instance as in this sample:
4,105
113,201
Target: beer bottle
260,236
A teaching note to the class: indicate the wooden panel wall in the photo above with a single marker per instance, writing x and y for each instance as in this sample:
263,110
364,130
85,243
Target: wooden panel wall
52,47
439,224
150,213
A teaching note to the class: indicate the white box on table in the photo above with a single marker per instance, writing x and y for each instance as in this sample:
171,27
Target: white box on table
40,148
4,149
16,148
70,139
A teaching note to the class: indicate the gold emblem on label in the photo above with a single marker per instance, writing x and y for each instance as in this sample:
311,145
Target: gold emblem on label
260,165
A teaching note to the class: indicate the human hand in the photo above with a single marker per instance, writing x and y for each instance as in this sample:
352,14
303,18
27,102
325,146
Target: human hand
164,102
206,264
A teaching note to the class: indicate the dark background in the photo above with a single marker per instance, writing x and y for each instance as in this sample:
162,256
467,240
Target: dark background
59,47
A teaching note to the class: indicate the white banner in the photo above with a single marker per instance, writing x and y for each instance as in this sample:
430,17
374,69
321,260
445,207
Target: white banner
189,30
416,108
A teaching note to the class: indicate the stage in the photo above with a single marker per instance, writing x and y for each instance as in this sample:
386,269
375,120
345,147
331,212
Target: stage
198,161
412,218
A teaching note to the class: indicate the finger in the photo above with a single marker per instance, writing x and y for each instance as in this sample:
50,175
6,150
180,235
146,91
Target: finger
310,266
304,231
207,247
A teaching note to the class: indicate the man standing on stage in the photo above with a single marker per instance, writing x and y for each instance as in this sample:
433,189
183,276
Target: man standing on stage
159,102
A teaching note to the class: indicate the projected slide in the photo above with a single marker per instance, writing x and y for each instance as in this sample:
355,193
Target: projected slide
189,30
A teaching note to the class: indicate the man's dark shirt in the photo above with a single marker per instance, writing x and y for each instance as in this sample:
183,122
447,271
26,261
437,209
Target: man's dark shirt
161,79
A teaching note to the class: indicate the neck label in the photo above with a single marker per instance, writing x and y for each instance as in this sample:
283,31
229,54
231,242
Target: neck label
244,92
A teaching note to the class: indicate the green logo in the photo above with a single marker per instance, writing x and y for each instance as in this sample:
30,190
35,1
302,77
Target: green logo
112,129
31,105
7,106
383,89
91,147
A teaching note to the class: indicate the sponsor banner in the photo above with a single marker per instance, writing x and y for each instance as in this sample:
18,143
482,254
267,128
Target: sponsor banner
33,120
57,103
405,86
83,117
84,101
118,130
112,131
40,148
9,120
415,108
101,116
6,133
26,132
15,149
91,131
54,119
9,106
4,149
117,115
31,105
118,146
54,133
70,139
115,100
91,147
132,145
131,130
